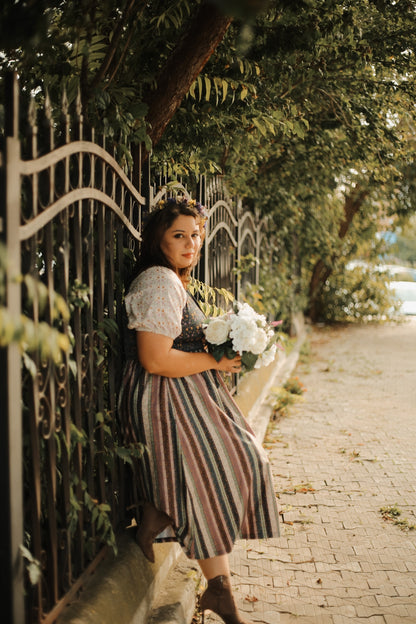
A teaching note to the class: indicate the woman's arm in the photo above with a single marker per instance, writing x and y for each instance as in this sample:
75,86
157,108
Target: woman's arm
157,356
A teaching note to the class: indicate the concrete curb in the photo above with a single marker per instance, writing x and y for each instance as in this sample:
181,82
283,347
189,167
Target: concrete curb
127,589
260,412
176,602
123,588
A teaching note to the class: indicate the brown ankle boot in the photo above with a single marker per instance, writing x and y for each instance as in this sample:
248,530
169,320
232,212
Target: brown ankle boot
219,598
153,522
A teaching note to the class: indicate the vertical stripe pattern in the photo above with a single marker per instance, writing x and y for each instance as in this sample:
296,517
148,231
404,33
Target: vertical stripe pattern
203,465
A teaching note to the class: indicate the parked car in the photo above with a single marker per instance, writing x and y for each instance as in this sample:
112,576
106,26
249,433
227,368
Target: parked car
393,271
398,273
405,292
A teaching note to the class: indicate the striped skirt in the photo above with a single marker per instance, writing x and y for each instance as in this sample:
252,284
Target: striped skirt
203,465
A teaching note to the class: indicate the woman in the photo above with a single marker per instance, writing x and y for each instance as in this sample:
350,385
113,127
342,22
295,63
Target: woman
204,478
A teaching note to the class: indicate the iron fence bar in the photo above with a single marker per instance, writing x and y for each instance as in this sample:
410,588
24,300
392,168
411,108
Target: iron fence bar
261,228
51,617
240,234
81,213
11,456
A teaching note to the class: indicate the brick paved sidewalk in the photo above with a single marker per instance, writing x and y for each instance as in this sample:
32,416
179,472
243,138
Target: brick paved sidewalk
345,452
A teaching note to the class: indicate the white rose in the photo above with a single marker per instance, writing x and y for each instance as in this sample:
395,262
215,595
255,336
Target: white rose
242,333
260,341
216,331
266,358
246,311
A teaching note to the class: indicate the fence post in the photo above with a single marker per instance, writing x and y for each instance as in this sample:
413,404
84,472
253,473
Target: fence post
238,214
146,187
11,484
201,196
259,235
205,249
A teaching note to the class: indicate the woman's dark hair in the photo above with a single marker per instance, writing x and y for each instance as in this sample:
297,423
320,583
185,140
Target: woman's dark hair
155,227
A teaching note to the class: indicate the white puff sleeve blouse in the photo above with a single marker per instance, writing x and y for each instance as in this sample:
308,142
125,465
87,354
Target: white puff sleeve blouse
155,302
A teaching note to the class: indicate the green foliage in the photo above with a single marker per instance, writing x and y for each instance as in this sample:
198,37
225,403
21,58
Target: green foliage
109,53
98,513
358,295
211,300
281,398
295,107
392,513
294,386
79,295
45,338
280,291
244,265
328,105
46,341
404,250
112,446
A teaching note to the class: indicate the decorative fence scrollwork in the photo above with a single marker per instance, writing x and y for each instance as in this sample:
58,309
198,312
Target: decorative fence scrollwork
71,222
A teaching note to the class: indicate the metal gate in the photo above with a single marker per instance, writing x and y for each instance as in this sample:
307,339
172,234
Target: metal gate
70,223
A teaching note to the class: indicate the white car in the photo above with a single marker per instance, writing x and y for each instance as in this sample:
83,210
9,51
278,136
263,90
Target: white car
405,292
396,272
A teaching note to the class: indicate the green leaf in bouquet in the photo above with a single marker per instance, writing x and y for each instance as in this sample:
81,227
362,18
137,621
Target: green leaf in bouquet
272,340
229,351
248,360
217,351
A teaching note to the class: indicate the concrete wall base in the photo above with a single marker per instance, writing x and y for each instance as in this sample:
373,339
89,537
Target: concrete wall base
123,588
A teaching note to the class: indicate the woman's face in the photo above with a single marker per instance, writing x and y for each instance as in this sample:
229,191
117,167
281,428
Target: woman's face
181,242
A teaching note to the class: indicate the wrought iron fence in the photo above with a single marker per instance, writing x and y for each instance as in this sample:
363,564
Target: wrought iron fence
71,221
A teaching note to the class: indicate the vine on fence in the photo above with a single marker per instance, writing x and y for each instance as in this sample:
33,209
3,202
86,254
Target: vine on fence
210,299
47,339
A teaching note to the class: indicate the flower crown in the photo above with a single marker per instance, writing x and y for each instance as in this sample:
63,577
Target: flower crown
183,201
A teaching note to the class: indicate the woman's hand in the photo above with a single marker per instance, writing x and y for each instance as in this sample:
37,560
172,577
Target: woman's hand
230,366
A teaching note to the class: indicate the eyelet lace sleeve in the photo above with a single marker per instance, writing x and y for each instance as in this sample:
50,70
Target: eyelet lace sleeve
155,302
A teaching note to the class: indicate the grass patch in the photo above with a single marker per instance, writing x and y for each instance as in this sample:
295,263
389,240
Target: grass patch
305,352
301,488
392,513
281,398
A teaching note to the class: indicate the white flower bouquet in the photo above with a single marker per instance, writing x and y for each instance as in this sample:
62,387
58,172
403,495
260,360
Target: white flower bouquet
242,331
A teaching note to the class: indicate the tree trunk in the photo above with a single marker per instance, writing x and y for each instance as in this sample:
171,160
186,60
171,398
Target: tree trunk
187,60
183,66
321,272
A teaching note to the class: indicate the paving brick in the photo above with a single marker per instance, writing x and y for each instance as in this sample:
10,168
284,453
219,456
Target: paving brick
377,579
347,610
395,619
339,562
375,619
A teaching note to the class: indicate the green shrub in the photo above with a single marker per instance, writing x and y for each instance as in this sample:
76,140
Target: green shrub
360,294
294,386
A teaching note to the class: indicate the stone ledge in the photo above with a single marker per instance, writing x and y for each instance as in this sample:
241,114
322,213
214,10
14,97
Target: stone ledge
123,587
176,603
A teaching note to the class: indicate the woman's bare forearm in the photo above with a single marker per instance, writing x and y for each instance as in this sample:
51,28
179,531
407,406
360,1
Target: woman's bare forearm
179,363
157,356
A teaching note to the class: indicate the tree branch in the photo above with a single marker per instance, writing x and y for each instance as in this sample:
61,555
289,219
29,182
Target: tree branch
120,61
183,66
112,48
321,272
